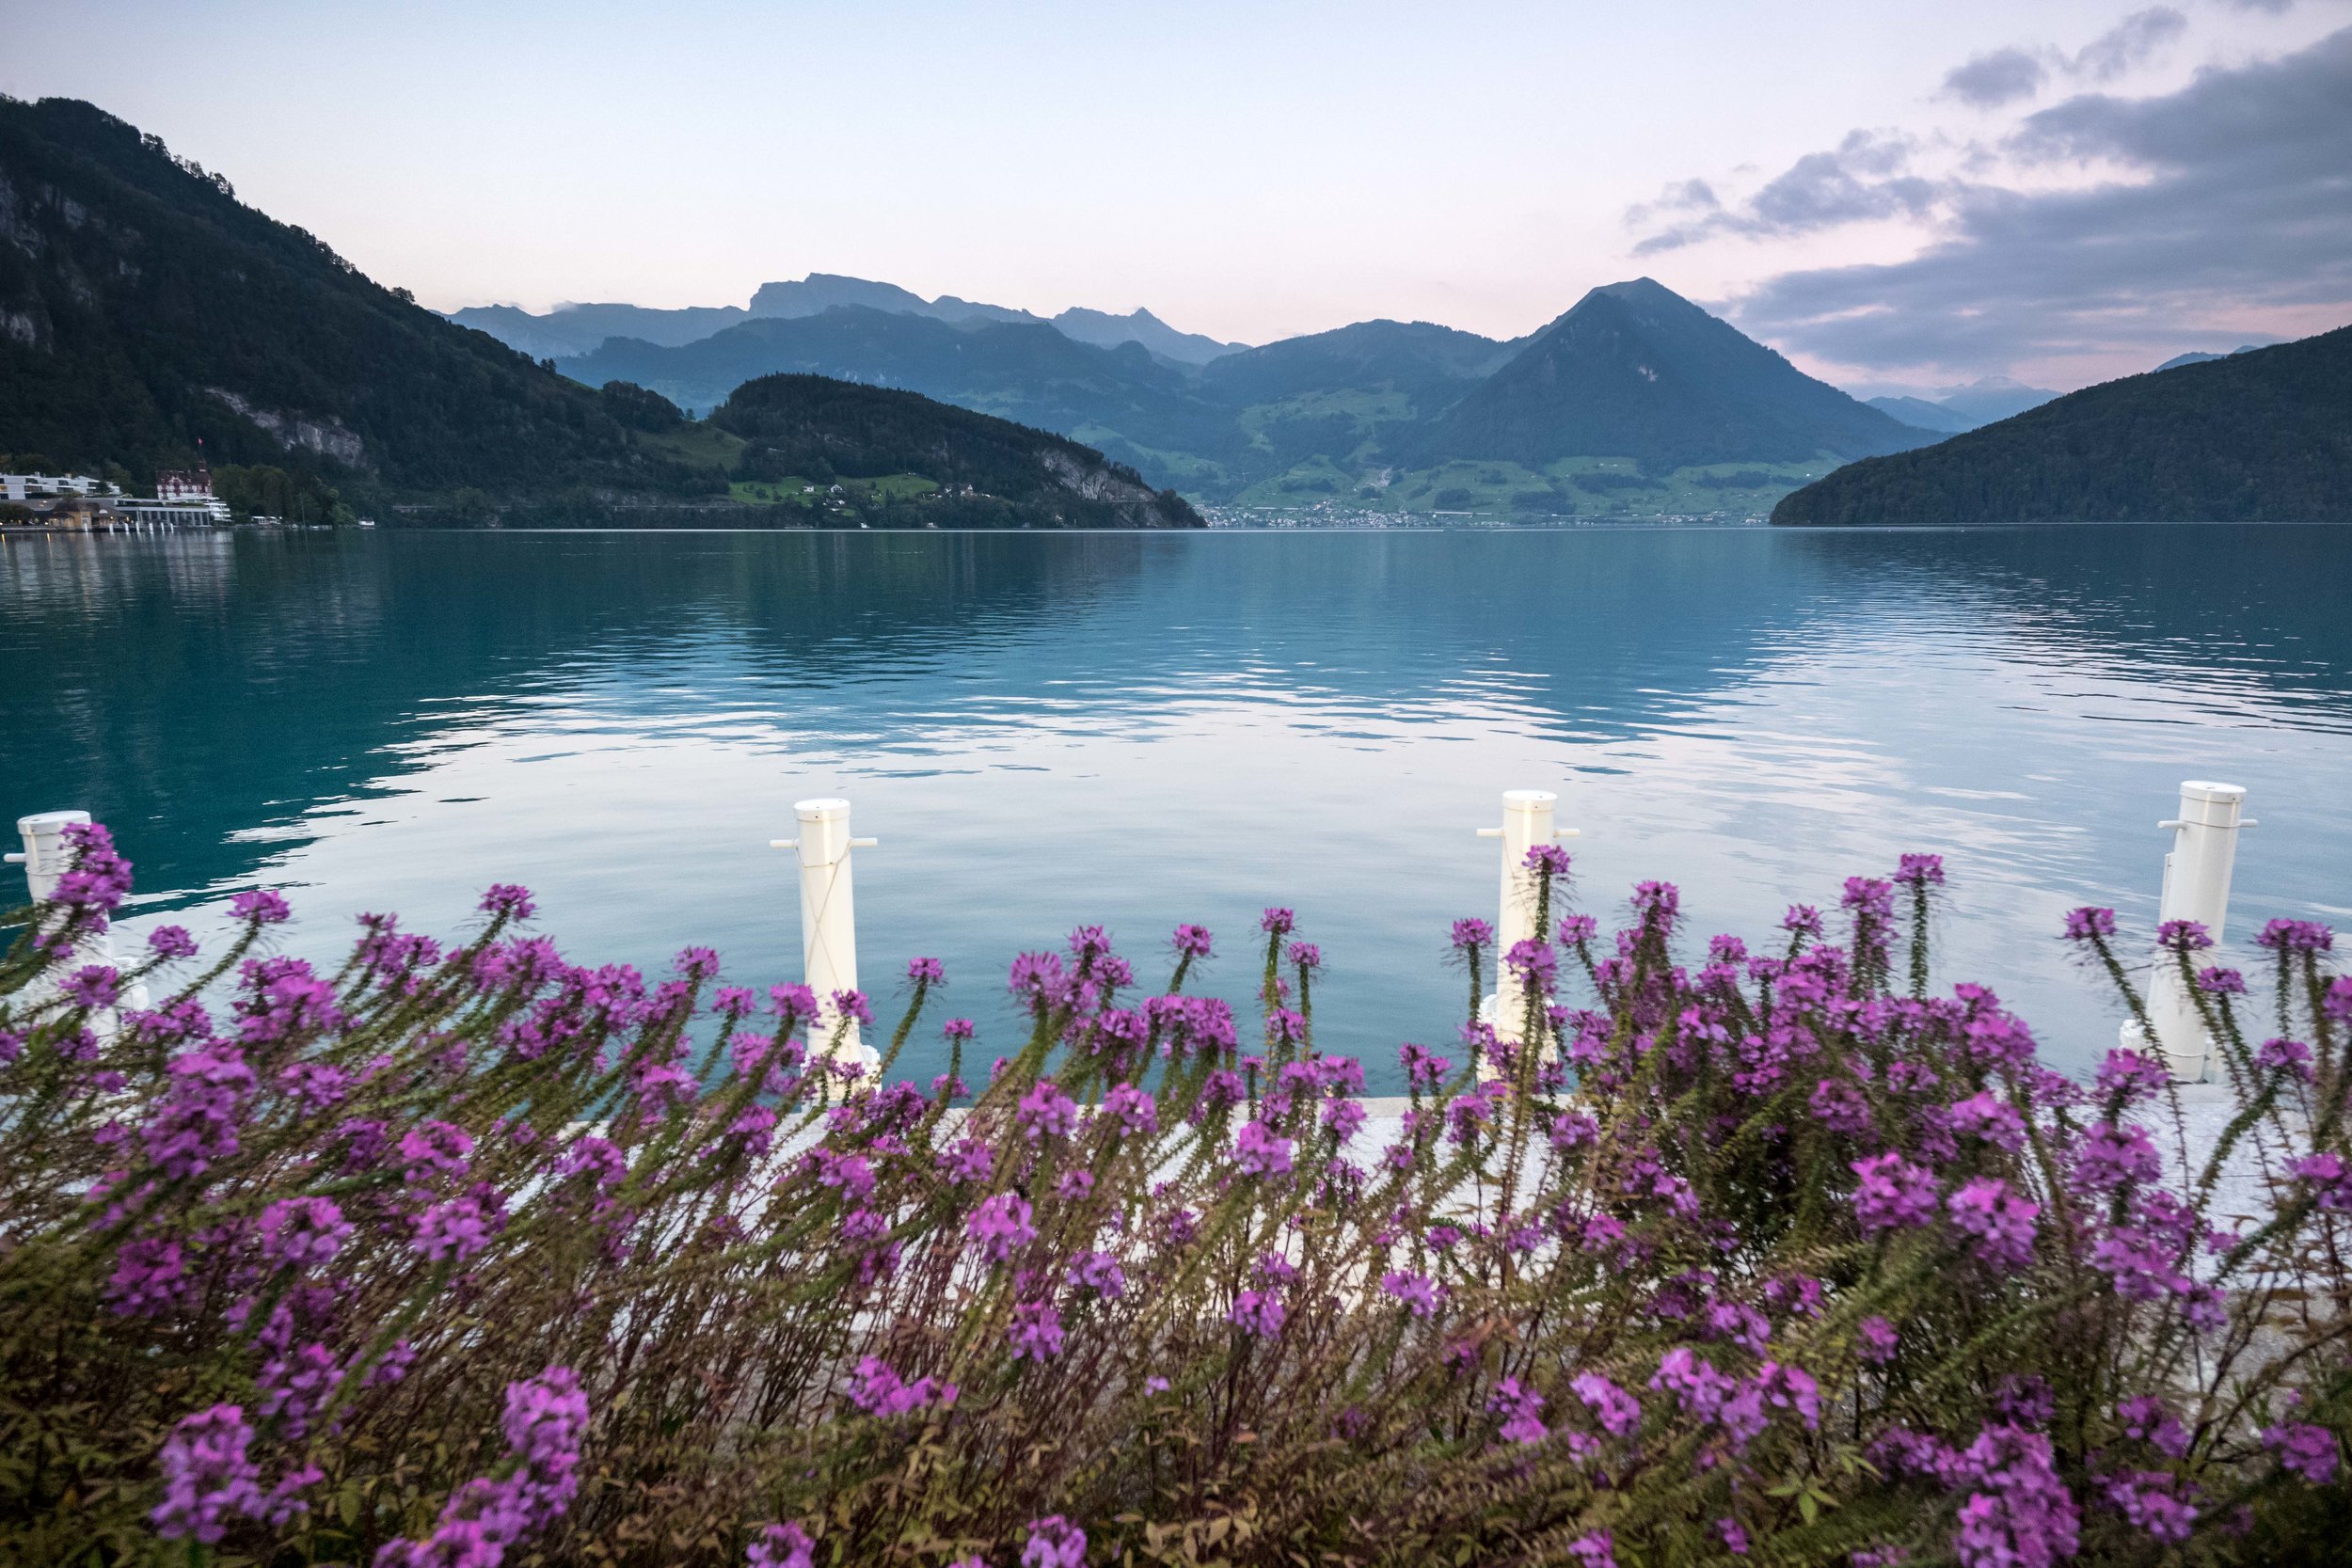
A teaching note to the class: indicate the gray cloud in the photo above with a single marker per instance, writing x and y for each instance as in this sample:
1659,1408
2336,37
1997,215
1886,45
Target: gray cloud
2001,77
2240,201
2012,75
1683,196
1863,177
2130,41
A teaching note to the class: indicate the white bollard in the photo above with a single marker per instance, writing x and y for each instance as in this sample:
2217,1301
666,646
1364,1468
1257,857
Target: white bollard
2196,887
47,857
1527,817
829,917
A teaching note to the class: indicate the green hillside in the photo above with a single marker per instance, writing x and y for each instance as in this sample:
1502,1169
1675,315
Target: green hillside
902,460
2261,437
148,310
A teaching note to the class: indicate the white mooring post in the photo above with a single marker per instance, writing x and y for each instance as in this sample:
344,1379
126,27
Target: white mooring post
829,916
2196,887
45,858
1527,816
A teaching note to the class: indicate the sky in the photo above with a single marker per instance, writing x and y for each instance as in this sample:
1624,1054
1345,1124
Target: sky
1901,196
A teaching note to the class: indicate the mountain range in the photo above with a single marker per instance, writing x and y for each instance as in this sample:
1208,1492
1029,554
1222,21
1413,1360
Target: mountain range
575,329
1633,399
2260,436
1954,409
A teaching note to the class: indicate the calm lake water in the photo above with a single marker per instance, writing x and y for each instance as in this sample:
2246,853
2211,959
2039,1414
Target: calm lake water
1138,730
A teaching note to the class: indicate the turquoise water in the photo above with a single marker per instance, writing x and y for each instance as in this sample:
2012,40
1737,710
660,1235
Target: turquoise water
1138,730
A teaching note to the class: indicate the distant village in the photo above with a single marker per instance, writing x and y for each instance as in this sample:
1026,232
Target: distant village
183,499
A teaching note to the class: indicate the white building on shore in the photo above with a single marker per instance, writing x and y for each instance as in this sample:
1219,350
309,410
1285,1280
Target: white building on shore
181,499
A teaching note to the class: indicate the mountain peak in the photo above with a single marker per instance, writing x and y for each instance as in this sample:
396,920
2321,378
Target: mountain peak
1636,371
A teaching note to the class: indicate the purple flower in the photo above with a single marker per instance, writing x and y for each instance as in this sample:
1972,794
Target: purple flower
2221,982
1259,1312
1875,1339
1098,1272
2308,1451
878,1390
1193,942
1278,923
1802,919
851,1005
259,906
434,1149
849,1174
1869,899
299,1232
150,1277
2184,936
1422,1068
1576,929
784,1545
93,985
1132,1109
2150,1500
1039,978
2331,1183
208,1481
197,1124
1657,903
1693,1380
1418,1292
1259,1152
2297,936
2146,1419
926,972
547,1416
2109,1157
1534,963
1046,1112
1594,1549
1001,1225
460,1229
2292,1057
2129,1077
793,1004
316,1085
2001,1222
1037,1332
1920,871
172,941
1893,1194
1053,1542
1618,1412
508,901
2024,1518
1306,955
2090,923
1521,1408
959,1030
1546,860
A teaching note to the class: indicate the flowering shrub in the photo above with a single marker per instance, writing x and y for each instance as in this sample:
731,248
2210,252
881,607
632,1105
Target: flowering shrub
466,1254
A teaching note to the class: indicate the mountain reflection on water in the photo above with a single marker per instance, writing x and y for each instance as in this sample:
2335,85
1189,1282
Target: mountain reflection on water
1141,729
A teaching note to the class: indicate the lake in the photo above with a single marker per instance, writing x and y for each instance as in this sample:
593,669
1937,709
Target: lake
1141,729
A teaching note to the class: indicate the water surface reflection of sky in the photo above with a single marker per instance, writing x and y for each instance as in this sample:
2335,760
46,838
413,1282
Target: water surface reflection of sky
1138,730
